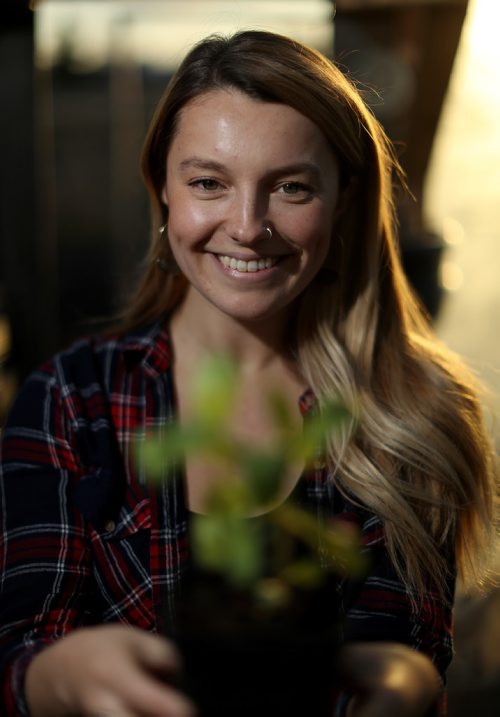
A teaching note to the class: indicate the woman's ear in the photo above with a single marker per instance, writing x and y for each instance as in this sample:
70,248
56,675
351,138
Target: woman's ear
164,195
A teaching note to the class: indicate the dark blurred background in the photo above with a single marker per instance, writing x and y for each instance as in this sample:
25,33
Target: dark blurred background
75,106
78,84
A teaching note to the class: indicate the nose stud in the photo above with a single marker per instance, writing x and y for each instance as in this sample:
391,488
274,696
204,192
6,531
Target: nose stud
269,231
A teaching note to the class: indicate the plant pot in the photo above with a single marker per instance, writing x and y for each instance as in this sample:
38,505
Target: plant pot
245,660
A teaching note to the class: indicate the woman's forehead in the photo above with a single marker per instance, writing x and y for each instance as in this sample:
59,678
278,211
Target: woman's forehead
227,123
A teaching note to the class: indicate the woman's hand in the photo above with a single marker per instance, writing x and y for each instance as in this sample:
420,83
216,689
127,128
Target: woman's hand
111,671
388,680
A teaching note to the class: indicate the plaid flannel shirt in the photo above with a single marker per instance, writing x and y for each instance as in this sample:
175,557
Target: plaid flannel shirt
85,540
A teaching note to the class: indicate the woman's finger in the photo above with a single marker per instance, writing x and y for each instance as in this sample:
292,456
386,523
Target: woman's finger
154,652
134,677
388,680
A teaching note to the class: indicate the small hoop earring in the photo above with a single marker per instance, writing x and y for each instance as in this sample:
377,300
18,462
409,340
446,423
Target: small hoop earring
169,266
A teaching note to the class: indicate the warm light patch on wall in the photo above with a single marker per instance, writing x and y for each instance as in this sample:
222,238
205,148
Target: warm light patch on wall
453,231
485,20
451,276
158,33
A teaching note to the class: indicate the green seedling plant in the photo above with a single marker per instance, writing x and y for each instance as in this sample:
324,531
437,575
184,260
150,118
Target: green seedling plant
224,540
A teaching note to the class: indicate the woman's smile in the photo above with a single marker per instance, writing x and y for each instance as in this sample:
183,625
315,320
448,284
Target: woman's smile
251,186
252,266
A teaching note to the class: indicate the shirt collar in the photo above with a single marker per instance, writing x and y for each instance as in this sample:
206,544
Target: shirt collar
149,345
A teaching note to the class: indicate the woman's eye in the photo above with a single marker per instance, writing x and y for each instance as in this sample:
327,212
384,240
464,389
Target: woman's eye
294,188
206,184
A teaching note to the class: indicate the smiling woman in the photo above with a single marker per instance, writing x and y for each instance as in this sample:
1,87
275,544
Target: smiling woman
225,184
271,187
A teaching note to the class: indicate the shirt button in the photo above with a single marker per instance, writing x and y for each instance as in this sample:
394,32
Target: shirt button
109,526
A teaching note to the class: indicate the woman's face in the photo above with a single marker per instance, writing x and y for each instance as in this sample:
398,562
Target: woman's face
235,166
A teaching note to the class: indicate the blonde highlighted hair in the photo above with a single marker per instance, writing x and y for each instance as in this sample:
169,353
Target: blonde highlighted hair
418,454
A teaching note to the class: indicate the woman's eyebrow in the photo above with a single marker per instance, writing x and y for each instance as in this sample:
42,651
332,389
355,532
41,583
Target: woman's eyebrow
201,163
213,165
297,168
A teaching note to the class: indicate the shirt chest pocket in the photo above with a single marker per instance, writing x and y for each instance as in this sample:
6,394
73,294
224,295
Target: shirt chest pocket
119,528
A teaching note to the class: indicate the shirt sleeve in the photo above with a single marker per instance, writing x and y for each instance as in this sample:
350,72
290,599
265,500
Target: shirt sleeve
381,607
44,551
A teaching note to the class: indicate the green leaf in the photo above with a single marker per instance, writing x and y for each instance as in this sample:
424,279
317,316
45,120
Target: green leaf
303,574
263,472
333,416
230,497
272,594
170,447
341,547
151,453
208,542
224,540
280,411
246,554
214,389
231,546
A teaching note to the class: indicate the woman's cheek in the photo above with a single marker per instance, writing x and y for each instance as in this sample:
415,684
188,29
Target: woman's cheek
188,221
312,231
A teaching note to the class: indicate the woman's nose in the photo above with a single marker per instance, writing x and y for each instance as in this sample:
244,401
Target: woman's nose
246,221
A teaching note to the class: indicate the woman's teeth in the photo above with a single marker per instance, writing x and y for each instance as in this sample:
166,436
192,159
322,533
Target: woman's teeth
247,266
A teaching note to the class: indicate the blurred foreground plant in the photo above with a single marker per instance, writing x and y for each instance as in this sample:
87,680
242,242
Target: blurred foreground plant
224,540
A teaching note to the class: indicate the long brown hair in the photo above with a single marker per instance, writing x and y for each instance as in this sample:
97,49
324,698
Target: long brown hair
417,453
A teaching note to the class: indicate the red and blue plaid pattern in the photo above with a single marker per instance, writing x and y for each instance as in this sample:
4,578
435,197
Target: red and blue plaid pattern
84,540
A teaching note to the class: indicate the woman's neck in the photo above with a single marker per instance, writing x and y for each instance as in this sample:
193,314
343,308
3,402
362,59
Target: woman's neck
265,367
255,346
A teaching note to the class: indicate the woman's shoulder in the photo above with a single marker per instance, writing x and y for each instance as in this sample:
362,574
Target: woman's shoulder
105,354
96,366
